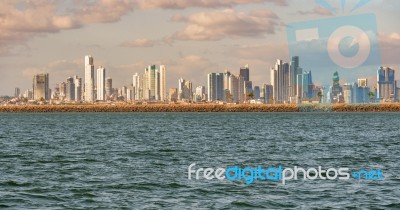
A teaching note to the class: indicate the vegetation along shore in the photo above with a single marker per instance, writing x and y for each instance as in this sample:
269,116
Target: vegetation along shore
386,107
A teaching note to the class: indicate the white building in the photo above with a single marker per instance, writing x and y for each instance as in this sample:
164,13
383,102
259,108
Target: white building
89,79
163,83
101,83
136,87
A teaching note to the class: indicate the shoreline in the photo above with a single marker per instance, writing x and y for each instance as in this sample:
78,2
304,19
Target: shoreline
386,107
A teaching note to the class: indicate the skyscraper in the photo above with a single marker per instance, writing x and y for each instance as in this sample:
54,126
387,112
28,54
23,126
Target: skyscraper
17,92
227,74
305,85
348,93
200,93
185,91
336,93
386,87
267,92
101,82
163,83
109,89
233,89
256,92
41,87
361,91
245,73
280,81
78,88
70,89
215,84
294,66
124,92
62,88
149,83
128,94
136,87
173,94
89,79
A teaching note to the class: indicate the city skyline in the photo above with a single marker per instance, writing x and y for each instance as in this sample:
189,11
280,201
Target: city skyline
232,34
289,84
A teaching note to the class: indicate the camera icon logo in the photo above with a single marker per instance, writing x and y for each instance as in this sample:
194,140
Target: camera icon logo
346,42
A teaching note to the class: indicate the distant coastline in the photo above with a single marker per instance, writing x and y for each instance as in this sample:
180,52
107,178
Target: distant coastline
387,107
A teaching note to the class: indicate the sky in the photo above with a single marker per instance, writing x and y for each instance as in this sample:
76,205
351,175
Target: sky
192,38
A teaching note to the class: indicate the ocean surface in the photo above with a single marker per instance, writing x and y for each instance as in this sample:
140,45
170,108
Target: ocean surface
140,160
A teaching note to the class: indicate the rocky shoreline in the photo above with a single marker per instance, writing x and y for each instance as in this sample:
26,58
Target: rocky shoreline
391,107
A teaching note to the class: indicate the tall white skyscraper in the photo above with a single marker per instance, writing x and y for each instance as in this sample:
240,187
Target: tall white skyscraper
163,84
233,89
136,87
101,82
89,79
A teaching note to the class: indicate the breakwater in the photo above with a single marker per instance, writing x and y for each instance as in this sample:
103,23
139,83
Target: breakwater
391,107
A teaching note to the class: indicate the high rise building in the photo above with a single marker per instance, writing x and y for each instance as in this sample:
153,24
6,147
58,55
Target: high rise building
215,84
245,73
136,87
70,89
89,79
280,81
63,89
361,91
184,90
233,89
256,92
157,85
163,83
128,94
305,85
267,92
173,94
348,93
149,83
28,94
200,93
101,82
386,87
336,93
109,89
294,71
17,92
124,92
78,88
41,87
227,74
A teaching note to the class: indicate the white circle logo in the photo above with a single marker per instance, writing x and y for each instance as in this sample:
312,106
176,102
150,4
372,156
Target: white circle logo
359,39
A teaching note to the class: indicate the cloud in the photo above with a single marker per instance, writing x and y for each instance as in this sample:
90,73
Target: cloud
227,23
318,10
22,20
182,4
390,49
139,43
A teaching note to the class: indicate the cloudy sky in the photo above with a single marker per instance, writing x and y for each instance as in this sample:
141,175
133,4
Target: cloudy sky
191,37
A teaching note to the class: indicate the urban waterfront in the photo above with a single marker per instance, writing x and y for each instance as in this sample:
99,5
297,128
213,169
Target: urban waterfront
140,160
